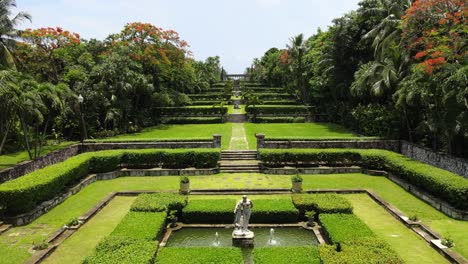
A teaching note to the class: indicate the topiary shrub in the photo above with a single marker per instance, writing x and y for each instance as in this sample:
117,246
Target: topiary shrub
202,255
290,255
159,202
322,203
344,227
141,225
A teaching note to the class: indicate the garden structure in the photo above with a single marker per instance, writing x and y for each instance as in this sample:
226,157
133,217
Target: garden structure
167,194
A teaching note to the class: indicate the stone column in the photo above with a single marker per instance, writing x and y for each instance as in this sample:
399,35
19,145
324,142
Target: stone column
260,140
216,141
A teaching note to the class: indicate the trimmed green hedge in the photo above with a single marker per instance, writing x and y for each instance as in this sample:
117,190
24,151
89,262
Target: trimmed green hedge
23,194
141,225
219,211
290,255
189,111
360,251
279,120
446,185
208,97
193,120
159,202
123,250
344,227
211,103
322,203
278,109
203,255
280,102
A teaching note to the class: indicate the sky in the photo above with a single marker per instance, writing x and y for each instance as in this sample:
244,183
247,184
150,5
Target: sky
237,31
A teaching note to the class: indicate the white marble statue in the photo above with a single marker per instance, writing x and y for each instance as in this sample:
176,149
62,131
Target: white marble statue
242,215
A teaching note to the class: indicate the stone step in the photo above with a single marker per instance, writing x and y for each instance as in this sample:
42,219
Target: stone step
229,159
4,228
238,152
240,171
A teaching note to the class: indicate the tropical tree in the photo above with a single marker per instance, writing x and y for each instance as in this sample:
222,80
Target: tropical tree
9,34
297,49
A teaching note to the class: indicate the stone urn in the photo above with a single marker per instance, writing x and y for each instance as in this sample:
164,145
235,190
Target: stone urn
296,181
184,185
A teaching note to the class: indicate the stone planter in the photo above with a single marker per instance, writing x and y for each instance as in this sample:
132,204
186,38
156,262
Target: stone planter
297,187
184,188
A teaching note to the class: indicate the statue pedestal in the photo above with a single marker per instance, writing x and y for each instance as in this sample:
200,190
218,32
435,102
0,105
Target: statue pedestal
243,239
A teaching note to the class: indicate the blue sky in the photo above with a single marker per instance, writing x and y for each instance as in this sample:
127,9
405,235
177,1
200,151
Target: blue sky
237,31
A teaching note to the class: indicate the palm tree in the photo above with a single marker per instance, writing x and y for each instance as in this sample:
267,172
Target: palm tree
8,32
10,103
297,49
388,30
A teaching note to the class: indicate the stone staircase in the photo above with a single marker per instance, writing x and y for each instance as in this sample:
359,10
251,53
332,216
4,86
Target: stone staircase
239,161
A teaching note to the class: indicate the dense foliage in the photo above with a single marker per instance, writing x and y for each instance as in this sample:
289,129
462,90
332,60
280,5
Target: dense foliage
445,185
322,203
123,81
159,202
394,69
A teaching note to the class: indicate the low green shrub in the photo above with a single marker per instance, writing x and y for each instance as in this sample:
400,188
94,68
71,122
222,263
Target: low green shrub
159,202
322,203
218,211
214,211
209,103
344,227
441,183
193,120
279,120
218,96
210,255
290,255
123,250
193,111
141,225
278,109
23,194
359,251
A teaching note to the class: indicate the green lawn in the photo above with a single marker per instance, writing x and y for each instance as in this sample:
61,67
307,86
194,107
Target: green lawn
203,131
297,130
238,139
82,243
408,245
15,243
9,160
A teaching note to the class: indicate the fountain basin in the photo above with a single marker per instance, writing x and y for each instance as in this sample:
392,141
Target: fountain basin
206,237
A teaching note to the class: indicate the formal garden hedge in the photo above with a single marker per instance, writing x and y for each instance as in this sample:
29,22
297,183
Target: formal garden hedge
192,120
278,120
23,194
446,185
204,102
290,255
132,241
123,250
199,255
280,102
209,97
278,109
322,203
159,202
221,211
193,111
272,96
344,227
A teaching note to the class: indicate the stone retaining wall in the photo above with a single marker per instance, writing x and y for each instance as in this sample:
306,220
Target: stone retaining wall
391,145
29,166
446,162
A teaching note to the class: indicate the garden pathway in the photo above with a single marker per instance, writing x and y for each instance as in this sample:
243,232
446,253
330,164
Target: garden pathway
238,137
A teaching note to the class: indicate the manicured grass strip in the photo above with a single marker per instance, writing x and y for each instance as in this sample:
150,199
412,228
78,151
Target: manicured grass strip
290,255
210,255
238,139
23,194
82,243
409,246
322,203
265,210
297,130
141,225
159,202
11,159
188,131
359,251
344,227
123,250
443,184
